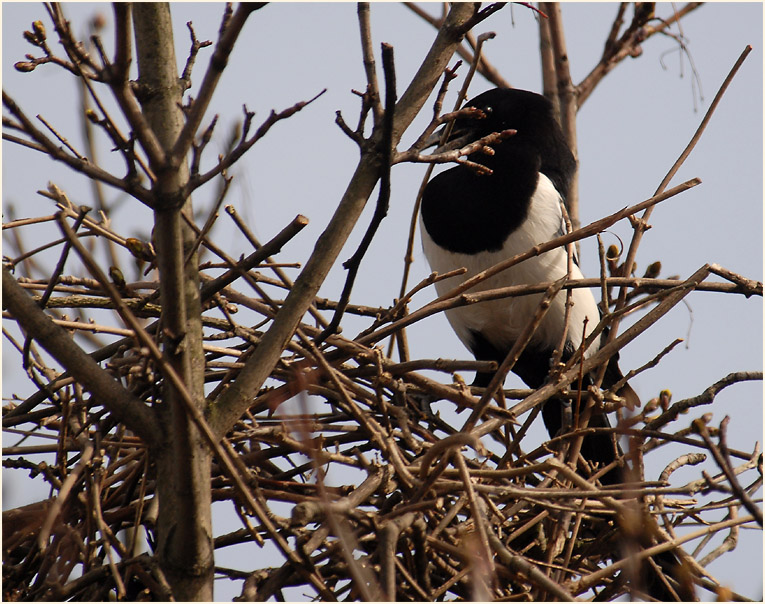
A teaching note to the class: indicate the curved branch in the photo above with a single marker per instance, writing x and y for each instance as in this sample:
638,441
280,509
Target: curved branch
628,45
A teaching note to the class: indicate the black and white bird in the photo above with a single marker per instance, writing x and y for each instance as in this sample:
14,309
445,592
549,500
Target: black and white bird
476,220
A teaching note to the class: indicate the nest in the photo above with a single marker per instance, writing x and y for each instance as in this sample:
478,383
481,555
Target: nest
355,468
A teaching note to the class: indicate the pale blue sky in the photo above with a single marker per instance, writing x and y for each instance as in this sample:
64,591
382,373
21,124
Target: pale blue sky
630,132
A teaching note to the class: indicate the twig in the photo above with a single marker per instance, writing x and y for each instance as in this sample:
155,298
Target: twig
729,543
484,67
640,225
237,152
567,99
704,398
231,211
649,365
196,45
60,138
58,154
592,579
486,559
627,45
269,249
723,461
383,199
53,280
81,366
527,569
373,89
228,37
514,354
607,350
455,155
211,218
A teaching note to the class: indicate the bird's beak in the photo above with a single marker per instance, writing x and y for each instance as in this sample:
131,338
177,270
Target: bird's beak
458,138
433,139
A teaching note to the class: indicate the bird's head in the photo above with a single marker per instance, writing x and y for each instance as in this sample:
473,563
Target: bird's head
509,108
530,115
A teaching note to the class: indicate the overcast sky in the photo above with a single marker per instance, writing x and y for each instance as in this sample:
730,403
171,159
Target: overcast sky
630,132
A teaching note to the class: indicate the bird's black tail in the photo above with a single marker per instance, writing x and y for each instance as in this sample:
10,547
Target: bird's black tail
601,449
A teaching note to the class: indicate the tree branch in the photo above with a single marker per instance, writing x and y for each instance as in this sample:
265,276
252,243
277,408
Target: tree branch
56,340
218,61
383,198
258,367
56,153
628,45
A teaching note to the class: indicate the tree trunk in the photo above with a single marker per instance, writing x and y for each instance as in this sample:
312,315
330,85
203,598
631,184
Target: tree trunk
184,523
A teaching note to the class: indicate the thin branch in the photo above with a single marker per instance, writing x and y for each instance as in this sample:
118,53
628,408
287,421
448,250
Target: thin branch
640,226
383,199
212,217
627,45
485,68
225,45
514,354
56,274
704,398
269,249
367,52
63,140
196,46
585,583
82,367
702,126
720,455
79,165
567,101
245,145
125,95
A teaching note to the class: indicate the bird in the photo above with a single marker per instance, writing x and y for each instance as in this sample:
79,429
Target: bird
473,219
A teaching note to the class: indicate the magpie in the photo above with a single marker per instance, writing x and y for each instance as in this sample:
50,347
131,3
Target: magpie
475,220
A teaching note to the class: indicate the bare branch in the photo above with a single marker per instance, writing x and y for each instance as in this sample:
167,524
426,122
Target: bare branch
80,165
228,37
245,145
373,89
640,226
628,45
107,391
383,199
258,367
196,46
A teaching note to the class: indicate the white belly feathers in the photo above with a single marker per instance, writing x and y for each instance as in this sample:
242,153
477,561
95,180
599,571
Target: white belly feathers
501,321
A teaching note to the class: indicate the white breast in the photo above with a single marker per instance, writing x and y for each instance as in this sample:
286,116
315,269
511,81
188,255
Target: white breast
501,321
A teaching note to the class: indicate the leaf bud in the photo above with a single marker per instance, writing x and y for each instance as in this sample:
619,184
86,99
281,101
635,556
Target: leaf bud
31,38
24,66
39,30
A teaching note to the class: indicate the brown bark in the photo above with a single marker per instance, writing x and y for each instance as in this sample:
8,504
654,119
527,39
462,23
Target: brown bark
184,523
